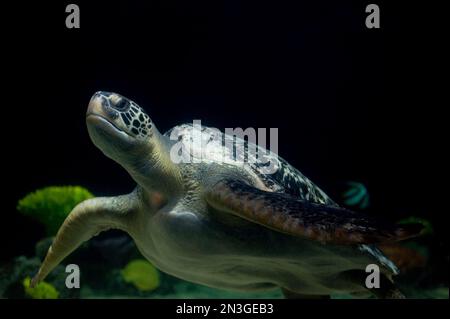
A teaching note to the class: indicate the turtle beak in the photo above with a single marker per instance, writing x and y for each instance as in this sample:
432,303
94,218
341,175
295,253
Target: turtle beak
101,104
110,106
95,104
105,106
121,113
105,126
108,100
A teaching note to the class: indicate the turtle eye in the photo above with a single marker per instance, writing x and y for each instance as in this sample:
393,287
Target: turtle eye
122,105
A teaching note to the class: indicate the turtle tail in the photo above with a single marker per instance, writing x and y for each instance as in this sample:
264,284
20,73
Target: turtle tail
86,220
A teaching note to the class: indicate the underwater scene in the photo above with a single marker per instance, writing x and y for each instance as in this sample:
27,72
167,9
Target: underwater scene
114,268
219,150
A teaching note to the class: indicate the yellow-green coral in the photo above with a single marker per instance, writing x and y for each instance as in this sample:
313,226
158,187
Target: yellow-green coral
51,205
42,290
142,274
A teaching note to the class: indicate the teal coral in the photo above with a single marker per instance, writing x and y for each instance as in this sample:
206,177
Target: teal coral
142,274
51,205
356,195
43,290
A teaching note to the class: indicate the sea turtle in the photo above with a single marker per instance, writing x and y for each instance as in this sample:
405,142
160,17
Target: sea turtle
219,221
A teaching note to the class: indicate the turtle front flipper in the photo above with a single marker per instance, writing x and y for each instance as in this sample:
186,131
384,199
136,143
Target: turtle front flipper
86,220
288,214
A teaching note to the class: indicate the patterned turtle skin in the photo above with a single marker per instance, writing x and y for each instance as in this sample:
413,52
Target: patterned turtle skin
201,213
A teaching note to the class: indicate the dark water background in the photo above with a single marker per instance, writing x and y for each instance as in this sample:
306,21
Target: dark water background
350,103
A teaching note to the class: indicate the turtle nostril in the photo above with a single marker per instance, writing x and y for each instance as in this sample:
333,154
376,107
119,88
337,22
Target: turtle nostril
103,100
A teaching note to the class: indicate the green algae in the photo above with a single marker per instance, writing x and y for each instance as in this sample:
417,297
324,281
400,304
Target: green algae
51,205
43,290
142,274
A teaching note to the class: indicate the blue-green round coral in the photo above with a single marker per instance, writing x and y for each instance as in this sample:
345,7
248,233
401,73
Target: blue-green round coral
356,195
51,205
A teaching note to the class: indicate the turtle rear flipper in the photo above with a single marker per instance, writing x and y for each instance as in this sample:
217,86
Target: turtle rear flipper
288,214
385,290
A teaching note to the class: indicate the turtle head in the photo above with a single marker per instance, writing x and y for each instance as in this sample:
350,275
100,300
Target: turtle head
119,127
126,134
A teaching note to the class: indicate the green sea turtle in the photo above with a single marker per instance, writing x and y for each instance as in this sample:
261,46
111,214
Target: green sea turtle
219,221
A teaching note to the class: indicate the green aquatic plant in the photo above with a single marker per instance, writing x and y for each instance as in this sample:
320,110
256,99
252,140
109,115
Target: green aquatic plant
51,205
142,274
43,290
356,195
427,226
